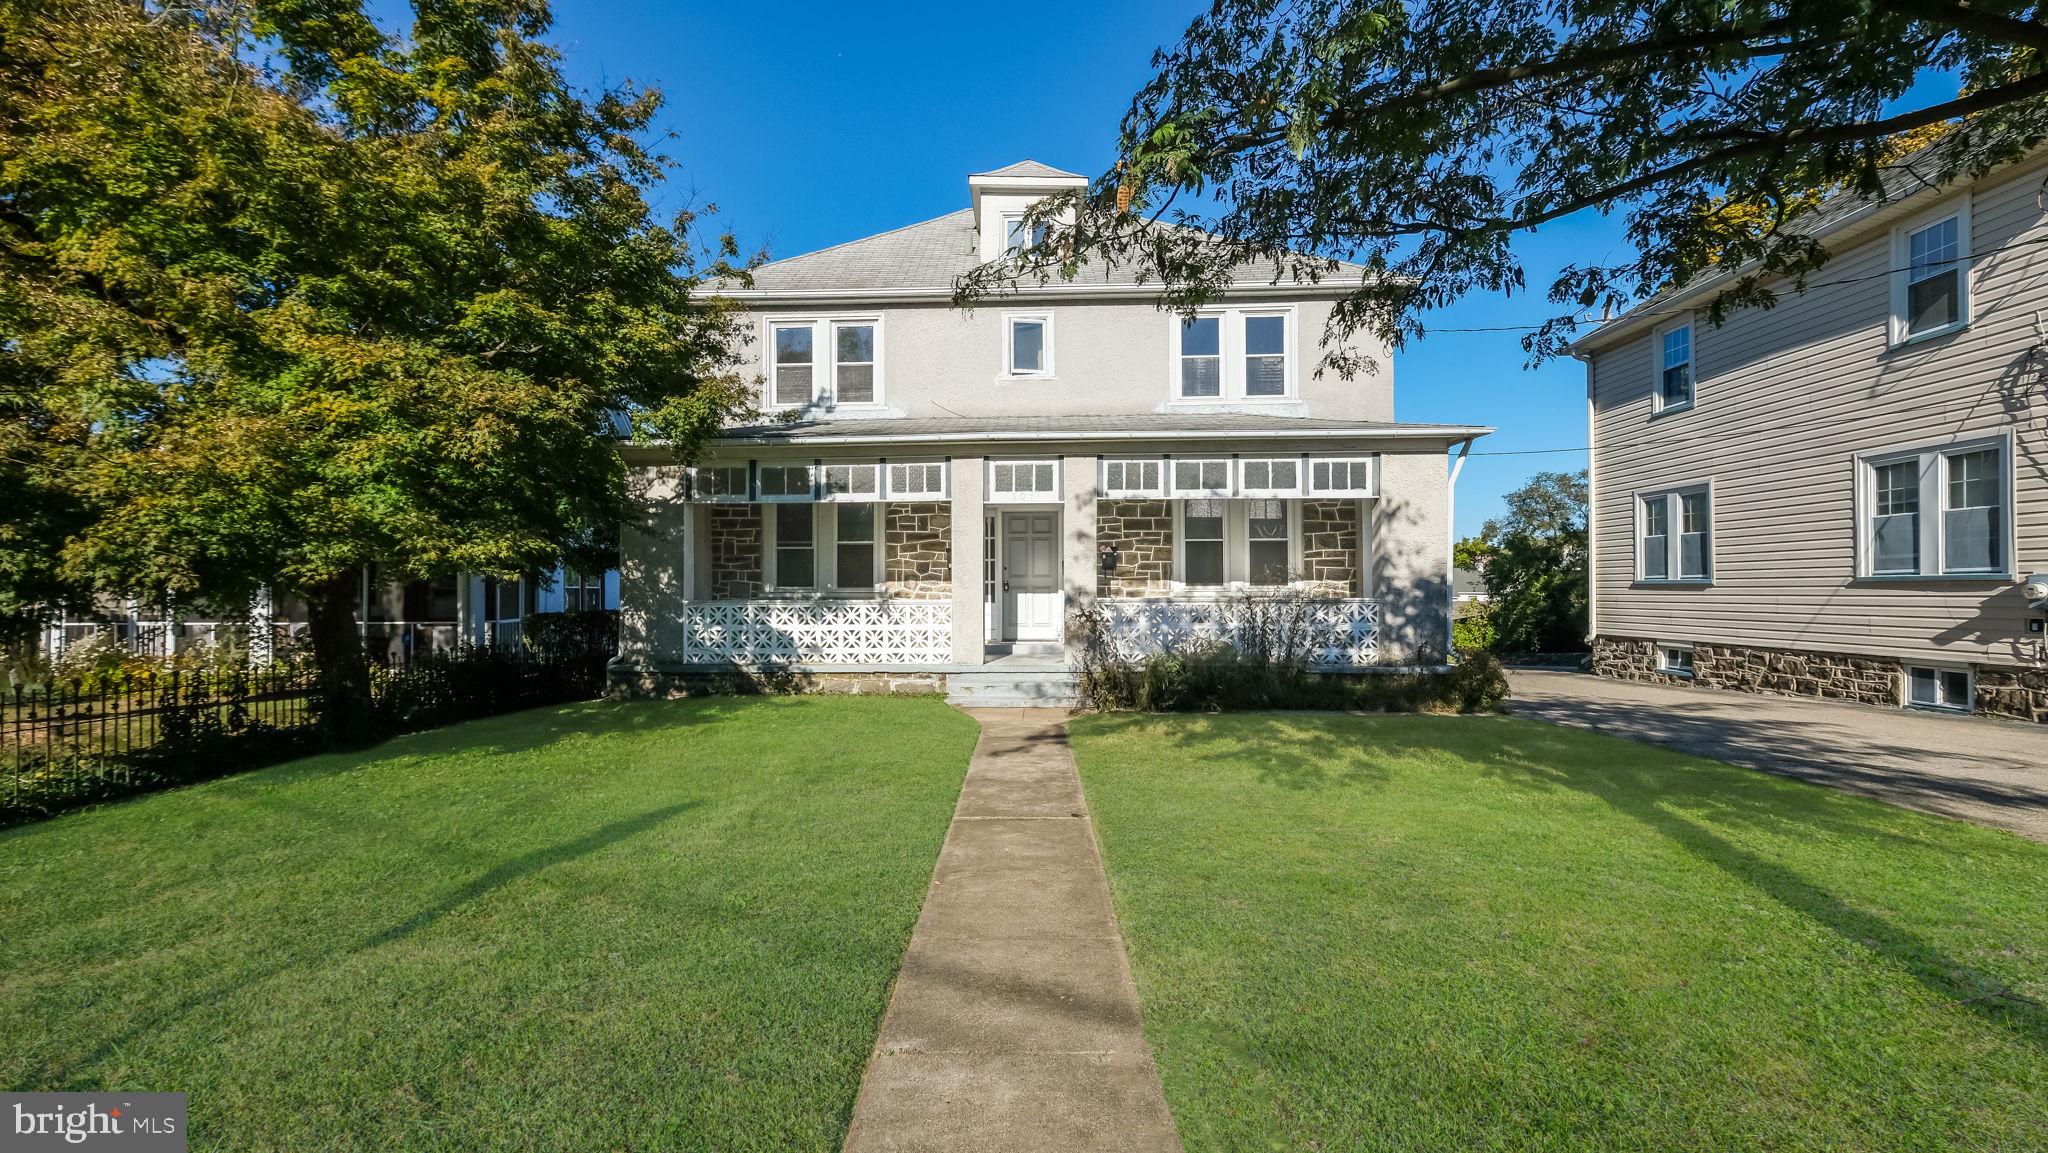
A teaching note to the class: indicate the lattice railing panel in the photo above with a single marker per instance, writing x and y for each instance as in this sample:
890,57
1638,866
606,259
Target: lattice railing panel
755,633
1340,632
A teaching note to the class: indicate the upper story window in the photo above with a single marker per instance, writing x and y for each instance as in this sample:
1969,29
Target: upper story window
1027,344
1674,368
1019,236
1234,354
1936,512
852,375
1674,535
1931,275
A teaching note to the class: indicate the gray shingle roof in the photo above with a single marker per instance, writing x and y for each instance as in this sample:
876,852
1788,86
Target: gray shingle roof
1031,169
931,254
1136,425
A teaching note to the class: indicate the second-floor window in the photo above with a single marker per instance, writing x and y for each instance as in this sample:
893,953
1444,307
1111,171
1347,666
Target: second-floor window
821,362
1931,275
1234,354
1674,368
1936,512
1027,340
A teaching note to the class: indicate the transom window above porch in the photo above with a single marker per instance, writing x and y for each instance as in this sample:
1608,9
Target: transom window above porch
1247,476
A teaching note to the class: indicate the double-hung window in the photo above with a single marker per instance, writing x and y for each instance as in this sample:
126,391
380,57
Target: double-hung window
1936,512
796,547
854,539
1202,523
582,592
824,547
1675,535
1931,275
1019,235
1674,368
820,362
1237,542
1234,354
1027,344
1267,545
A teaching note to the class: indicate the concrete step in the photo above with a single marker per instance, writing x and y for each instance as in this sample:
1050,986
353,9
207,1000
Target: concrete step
1052,688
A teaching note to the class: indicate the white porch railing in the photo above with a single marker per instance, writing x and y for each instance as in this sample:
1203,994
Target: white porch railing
1340,632
826,632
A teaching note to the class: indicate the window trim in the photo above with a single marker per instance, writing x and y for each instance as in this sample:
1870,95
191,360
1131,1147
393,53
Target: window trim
1670,669
1371,461
1901,271
1299,490
1906,700
1237,552
1009,369
824,556
1051,496
744,496
761,467
827,496
945,490
1230,350
1173,489
825,359
1658,405
1126,492
1932,510
1674,534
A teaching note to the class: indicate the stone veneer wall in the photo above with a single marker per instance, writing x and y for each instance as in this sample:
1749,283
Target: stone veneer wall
736,547
917,557
1142,531
1329,547
2007,691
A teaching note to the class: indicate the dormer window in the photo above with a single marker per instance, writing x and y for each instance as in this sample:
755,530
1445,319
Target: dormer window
1020,235
1027,344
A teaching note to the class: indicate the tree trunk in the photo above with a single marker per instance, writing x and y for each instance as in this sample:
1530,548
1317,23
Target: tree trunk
342,686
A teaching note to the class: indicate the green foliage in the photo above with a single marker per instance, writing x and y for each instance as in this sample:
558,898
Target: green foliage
385,301
1418,138
1472,630
1536,568
572,636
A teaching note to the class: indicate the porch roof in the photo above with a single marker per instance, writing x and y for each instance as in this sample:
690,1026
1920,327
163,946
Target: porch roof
1134,426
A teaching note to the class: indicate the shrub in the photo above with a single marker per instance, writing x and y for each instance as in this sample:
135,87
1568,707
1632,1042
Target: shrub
573,636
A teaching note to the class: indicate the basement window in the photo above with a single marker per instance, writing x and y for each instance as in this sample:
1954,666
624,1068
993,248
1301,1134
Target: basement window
1933,687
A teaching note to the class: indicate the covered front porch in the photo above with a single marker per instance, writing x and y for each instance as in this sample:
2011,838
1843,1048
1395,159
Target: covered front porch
844,559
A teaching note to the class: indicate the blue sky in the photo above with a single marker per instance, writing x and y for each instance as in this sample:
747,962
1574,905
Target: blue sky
810,124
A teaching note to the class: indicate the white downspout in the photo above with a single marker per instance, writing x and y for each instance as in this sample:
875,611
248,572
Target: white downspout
1451,548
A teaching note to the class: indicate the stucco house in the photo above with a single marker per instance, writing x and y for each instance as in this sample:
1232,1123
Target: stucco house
950,484
1844,495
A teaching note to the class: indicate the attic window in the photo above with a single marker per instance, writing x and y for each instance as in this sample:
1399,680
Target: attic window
1021,236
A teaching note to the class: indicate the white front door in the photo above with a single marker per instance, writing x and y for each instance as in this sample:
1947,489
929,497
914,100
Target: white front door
1031,576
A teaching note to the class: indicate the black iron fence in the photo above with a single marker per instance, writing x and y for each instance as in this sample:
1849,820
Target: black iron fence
73,742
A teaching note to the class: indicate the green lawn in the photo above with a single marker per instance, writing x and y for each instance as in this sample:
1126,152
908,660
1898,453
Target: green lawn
1482,933
643,926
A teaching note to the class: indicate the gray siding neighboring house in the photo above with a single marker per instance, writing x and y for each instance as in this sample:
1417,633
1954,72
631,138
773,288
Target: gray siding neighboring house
1851,507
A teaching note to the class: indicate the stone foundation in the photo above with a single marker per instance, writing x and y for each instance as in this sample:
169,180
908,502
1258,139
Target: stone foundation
917,553
655,684
2002,690
736,546
1142,531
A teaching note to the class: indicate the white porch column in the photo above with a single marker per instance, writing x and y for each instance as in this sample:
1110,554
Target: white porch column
1078,572
652,567
969,636
262,622
1368,546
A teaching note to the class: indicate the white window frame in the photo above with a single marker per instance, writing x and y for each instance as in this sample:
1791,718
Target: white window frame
1668,666
1658,404
824,555
1036,236
1268,492
825,359
761,469
1034,496
1901,271
1230,347
1933,508
1127,490
1941,702
1237,551
698,484
893,492
1009,366
1288,355
1371,463
1674,533
1225,490
869,468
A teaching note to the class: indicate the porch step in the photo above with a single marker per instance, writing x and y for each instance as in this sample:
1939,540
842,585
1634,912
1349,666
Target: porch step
1022,688
1052,649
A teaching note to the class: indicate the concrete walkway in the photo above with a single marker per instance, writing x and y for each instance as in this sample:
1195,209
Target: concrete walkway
1014,1024
1988,771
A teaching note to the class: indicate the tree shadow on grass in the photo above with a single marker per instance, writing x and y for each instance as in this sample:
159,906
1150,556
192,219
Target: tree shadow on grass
1291,751
497,877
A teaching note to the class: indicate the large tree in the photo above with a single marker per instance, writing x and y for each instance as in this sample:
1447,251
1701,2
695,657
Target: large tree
287,294
1535,558
1418,137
